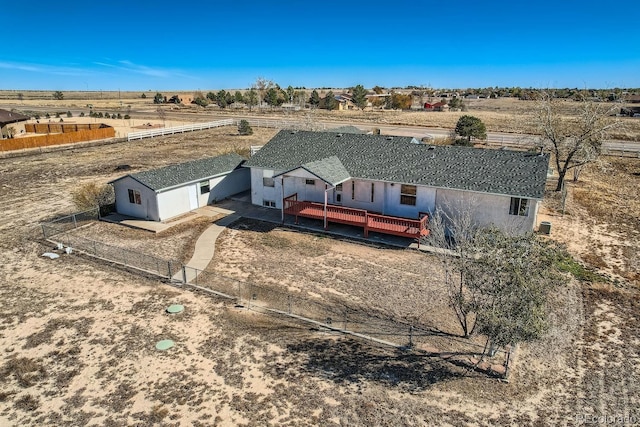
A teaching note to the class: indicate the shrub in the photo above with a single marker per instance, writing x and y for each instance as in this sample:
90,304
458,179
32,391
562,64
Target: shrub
69,114
91,195
57,115
47,115
127,117
82,114
119,116
244,128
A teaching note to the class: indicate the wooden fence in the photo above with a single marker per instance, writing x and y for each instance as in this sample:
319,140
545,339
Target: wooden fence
66,134
61,127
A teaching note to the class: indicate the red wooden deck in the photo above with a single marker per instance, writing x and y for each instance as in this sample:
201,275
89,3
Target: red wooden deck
403,227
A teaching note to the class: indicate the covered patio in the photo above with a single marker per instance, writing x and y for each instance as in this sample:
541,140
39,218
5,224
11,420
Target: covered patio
403,227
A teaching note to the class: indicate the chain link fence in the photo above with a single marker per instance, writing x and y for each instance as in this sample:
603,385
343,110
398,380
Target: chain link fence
322,311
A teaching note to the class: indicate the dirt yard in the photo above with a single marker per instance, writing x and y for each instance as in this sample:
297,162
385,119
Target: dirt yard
77,336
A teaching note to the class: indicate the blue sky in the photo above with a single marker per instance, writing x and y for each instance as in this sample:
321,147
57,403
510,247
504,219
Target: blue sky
162,45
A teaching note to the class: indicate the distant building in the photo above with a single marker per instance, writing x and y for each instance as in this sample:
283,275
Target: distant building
11,123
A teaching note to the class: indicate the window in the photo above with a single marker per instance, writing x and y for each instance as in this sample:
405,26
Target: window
339,187
310,182
519,207
408,194
134,197
338,198
269,203
268,182
353,190
204,187
372,192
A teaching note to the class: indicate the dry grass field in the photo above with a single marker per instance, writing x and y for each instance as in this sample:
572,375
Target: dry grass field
499,115
77,336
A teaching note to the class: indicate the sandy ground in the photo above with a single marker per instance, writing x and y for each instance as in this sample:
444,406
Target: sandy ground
77,336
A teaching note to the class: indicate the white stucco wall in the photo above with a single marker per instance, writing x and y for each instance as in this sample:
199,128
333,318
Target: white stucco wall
487,209
176,202
223,186
259,193
148,209
425,201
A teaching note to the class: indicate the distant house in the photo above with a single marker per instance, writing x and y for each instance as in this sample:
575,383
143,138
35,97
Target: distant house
345,102
428,106
391,184
441,106
634,99
15,121
170,191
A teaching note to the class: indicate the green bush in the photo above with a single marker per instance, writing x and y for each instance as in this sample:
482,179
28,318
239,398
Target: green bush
244,128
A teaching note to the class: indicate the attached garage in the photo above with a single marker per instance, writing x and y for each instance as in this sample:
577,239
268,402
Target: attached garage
167,192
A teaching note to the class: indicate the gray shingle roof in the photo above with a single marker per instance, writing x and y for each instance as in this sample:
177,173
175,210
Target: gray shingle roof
400,159
196,170
330,170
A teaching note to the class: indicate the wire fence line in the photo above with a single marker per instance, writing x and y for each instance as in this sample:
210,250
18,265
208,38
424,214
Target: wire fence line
323,312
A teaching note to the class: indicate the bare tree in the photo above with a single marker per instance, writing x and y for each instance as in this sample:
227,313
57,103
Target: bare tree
496,282
161,114
262,85
452,234
574,140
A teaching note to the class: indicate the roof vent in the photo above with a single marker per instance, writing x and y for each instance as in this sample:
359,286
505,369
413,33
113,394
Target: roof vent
338,135
389,138
431,147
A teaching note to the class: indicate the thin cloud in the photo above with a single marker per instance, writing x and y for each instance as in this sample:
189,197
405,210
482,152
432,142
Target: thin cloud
21,67
41,68
126,65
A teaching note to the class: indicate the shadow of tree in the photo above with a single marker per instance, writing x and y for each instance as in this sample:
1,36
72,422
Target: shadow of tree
345,361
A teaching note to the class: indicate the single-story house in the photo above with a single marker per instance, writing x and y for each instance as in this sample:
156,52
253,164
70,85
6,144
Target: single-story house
15,121
170,191
395,180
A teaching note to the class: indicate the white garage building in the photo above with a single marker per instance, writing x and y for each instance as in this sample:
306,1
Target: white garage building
170,191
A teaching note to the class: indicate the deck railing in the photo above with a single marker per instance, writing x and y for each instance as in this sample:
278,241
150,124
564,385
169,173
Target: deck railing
385,224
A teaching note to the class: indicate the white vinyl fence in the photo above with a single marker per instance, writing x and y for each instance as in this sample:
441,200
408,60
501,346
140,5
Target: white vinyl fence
266,123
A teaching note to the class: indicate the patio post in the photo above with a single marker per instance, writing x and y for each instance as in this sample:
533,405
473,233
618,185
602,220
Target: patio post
325,206
282,194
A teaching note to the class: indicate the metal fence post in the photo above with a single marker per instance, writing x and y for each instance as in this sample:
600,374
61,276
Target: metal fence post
95,248
184,274
410,336
169,268
289,303
75,224
345,321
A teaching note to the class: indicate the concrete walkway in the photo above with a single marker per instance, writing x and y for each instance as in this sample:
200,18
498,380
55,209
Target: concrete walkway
204,249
